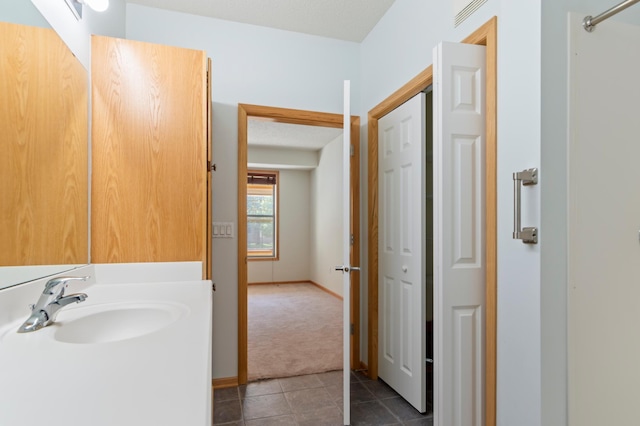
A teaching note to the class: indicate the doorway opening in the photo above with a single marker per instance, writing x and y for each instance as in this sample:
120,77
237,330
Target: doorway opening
309,118
486,35
295,229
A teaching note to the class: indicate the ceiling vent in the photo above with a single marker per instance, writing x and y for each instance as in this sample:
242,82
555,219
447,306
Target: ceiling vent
462,9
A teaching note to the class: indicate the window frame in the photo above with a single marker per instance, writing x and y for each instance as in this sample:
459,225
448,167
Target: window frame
266,255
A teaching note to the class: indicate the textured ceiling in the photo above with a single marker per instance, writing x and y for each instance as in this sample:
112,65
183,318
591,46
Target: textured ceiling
269,134
349,20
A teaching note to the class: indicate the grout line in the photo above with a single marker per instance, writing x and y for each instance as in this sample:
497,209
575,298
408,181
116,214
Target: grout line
324,386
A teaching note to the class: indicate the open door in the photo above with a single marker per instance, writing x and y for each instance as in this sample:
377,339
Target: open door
401,245
346,268
459,233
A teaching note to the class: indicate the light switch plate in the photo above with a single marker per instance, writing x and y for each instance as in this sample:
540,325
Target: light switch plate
223,230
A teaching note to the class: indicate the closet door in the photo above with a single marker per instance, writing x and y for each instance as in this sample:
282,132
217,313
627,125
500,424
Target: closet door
401,269
459,235
149,152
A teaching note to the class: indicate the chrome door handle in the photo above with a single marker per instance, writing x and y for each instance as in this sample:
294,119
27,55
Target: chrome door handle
347,268
528,235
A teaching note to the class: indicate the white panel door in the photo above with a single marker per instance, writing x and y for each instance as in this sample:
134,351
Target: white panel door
604,224
401,270
346,250
459,234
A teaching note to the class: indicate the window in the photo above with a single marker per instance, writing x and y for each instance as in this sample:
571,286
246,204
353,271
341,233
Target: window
262,215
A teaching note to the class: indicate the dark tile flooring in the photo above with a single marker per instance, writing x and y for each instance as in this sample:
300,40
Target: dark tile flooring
313,400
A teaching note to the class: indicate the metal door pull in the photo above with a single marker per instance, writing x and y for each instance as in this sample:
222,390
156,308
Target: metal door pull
528,235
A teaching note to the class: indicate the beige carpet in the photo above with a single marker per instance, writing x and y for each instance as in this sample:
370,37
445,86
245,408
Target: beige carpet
294,329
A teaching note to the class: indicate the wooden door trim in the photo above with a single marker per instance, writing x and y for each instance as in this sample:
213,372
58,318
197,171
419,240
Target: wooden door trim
309,118
209,257
486,35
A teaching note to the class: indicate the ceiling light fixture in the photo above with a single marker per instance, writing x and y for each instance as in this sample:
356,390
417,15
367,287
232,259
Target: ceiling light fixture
97,5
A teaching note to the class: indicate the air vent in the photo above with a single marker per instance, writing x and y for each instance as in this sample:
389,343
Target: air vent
462,11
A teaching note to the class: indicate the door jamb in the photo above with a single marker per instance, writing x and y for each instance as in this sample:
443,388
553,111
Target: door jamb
486,35
208,245
309,118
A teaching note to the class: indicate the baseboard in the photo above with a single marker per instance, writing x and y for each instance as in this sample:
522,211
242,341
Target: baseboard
224,382
323,288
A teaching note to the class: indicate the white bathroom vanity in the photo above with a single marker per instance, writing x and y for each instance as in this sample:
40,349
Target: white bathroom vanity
136,352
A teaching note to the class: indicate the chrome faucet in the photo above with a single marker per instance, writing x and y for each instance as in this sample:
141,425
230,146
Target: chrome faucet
52,299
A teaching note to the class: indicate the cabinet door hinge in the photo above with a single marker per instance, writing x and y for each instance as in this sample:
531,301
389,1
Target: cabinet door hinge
353,150
352,240
210,167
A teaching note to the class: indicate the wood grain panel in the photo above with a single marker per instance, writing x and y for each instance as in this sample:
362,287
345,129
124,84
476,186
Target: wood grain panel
486,35
149,153
209,231
372,353
293,116
44,164
224,382
354,256
243,300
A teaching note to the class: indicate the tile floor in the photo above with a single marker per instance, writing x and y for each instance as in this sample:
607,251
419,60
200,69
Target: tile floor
313,400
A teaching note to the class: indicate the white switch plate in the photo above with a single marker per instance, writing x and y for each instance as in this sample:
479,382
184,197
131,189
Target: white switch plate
223,230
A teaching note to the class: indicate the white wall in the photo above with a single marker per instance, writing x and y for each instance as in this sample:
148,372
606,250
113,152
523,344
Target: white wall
252,65
281,158
326,218
519,127
553,294
23,13
76,34
294,222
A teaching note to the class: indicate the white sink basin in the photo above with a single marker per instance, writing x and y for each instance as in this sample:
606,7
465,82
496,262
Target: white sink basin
113,322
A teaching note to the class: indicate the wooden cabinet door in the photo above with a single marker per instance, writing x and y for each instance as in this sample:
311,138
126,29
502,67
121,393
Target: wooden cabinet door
43,149
149,153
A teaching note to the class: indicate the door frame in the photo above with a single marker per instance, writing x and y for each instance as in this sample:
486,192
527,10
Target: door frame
486,35
209,243
309,118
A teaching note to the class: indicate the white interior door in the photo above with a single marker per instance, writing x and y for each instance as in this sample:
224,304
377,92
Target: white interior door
346,250
401,270
604,224
459,234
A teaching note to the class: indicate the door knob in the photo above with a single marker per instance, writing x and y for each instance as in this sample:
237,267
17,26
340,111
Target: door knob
347,268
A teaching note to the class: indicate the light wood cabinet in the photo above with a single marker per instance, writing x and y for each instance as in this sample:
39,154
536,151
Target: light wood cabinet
150,147
43,150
